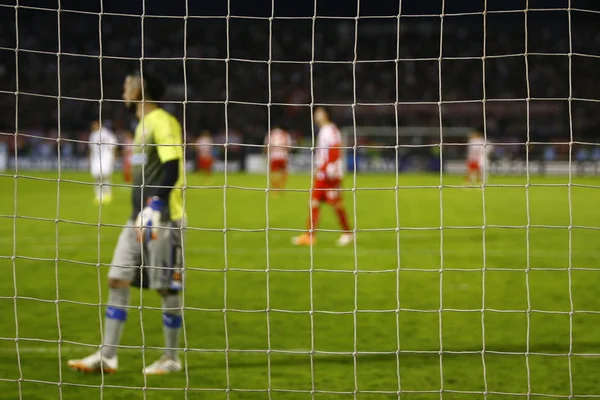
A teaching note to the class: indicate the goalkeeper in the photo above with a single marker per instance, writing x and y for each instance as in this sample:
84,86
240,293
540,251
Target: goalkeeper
148,252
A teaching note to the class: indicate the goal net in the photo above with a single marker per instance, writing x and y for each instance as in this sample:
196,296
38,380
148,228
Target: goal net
438,289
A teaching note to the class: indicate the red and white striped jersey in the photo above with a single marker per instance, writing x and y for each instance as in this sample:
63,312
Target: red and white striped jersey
279,142
478,150
204,146
328,158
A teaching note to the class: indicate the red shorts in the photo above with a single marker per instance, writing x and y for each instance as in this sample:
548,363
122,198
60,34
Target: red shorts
278,165
127,171
205,163
327,191
472,165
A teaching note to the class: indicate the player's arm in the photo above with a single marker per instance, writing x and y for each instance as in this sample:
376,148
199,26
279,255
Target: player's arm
167,137
169,148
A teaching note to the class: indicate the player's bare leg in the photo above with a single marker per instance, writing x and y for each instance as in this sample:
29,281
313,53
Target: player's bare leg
309,238
274,183
472,175
469,175
116,314
347,236
283,179
278,180
127,172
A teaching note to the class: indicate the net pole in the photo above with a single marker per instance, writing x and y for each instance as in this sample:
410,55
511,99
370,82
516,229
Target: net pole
267,195
354,101
99,253
15,204
527,206
183,224
57,218
396,197
441,124
225,181
312,228
483,202
570,196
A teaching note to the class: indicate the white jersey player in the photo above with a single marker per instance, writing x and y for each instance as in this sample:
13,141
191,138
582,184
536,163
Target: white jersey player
477,157
277,147
103,143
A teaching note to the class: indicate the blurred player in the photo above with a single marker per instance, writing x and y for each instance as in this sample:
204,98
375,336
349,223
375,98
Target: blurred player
278,142
477,157
103,144
327,181
126,154
148,252
204,149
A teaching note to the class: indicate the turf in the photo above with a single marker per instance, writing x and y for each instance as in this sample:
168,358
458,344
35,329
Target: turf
475,294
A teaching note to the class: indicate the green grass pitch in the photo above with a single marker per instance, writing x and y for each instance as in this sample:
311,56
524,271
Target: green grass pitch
411,311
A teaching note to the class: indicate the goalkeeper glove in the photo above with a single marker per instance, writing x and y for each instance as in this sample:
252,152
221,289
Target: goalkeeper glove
148,220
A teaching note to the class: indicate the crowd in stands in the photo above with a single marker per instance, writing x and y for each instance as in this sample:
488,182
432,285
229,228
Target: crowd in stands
245,74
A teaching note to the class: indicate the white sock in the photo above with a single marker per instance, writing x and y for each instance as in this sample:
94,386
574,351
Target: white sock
114,321
98,188
172,322
106,187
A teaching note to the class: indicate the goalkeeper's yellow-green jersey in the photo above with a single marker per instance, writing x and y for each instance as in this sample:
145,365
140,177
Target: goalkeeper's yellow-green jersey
158,139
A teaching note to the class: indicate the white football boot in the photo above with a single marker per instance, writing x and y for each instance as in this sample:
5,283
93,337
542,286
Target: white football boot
345,239
162,366
95,363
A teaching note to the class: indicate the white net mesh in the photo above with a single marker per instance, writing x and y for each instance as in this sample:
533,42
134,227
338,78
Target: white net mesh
446,290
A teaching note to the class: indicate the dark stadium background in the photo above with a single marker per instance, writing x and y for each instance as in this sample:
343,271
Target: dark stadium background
376,79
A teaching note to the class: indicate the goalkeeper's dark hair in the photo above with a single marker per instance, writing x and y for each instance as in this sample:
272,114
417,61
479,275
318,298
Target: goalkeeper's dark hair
154,88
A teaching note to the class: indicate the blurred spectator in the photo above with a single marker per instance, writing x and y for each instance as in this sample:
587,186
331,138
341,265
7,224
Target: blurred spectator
248,82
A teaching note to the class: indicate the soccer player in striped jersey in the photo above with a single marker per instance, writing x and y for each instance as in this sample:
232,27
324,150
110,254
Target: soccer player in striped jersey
477,157
327,182
148,252
204,153
277,148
